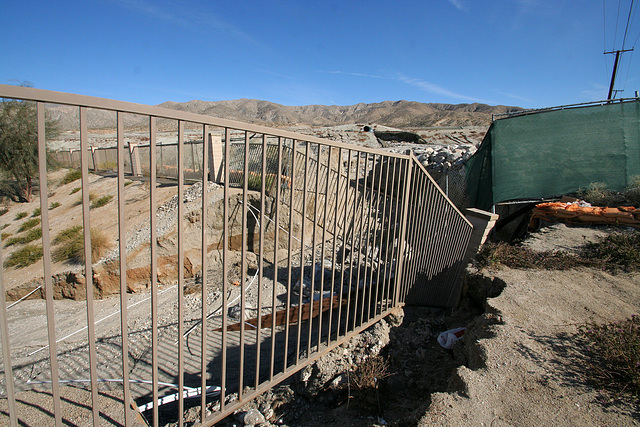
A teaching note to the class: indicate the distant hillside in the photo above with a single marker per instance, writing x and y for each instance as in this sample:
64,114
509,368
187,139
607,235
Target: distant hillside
389,113
401,114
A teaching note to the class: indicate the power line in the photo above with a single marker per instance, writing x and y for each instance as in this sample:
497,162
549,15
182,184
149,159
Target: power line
626,29
615,34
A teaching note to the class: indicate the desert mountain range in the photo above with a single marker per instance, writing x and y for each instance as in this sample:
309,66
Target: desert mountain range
401,114
389,113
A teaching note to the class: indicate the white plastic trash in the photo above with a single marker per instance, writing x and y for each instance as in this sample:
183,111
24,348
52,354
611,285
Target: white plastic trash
448,338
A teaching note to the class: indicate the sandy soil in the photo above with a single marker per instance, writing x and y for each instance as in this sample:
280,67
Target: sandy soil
524,366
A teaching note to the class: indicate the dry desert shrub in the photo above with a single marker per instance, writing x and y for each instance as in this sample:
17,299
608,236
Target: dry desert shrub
614,355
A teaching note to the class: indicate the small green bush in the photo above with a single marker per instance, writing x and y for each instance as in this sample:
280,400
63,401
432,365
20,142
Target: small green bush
24,256
75,190
3,211
4,226
21,215
54,205
5,235
36,212
72,175
614,354
30,236
28,224
98,203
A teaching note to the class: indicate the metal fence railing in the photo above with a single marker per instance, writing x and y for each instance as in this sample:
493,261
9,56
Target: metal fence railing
304,244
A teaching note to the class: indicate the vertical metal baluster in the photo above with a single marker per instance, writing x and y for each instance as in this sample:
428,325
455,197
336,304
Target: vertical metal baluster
122,251
6,351
262,224
243,263
86,225
290,261
154,266
364,236
414,223
276,240
46,258
392,252
333,250
302,249
374,239
225,286
313,257
403,226
385,235
344,237
204,254
356,202
325,225
181,267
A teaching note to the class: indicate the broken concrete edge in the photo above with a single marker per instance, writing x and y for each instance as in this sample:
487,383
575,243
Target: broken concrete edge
483,222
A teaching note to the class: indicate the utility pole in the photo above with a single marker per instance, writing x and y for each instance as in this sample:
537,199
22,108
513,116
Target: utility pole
615,70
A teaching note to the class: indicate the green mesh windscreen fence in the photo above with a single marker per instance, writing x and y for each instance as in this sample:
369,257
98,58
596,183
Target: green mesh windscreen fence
556,152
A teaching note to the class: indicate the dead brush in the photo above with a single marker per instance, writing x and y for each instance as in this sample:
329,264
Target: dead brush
364,382
614,355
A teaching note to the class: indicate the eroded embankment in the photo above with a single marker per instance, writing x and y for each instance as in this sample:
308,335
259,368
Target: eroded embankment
387,373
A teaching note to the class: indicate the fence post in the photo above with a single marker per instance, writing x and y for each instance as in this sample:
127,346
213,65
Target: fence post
215,158
403,226
134,156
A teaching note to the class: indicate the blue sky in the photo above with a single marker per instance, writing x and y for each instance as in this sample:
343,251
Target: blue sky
529,53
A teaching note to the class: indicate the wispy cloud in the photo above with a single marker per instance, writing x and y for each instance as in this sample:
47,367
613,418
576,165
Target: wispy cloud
458,4
436,89
518,97
596,92
352,74
183,16
420,84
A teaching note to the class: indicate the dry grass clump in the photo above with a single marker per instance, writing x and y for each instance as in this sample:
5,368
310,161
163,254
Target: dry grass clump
21,215
98,203
70,245
29,224
24,256
30,236
3,211
72,175
598,194
614,355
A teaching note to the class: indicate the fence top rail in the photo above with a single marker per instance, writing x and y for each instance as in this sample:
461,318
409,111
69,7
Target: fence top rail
63,98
